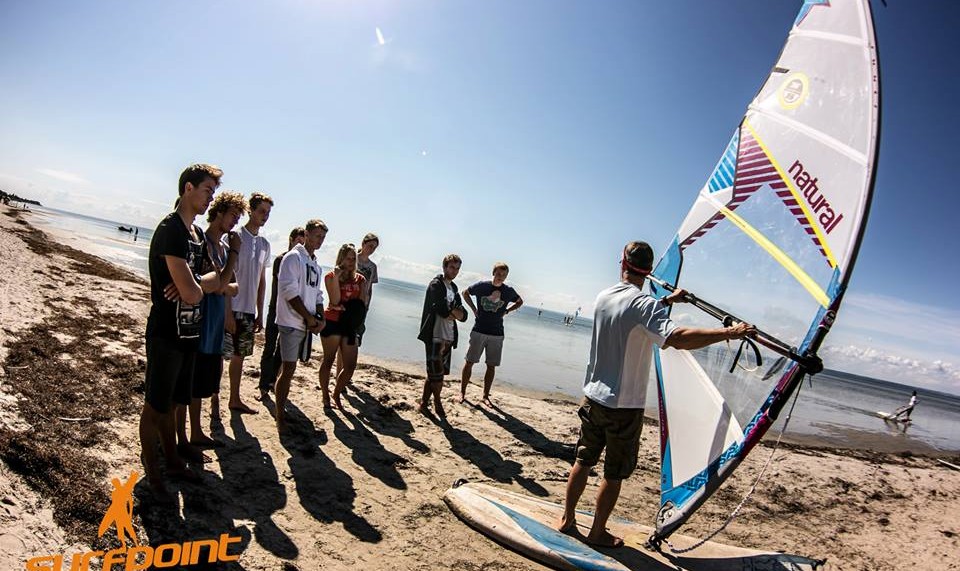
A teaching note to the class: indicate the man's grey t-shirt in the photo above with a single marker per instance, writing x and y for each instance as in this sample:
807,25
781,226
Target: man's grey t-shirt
626,325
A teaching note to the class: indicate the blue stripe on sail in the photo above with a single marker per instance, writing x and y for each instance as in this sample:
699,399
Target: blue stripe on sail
728,173
723,173
561,544
681,494
807,6
666,464
668,268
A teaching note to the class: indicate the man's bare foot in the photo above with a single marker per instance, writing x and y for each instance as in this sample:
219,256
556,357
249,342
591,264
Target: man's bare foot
486,400
604,539
462,399
337,403
566,526
191,453
242,408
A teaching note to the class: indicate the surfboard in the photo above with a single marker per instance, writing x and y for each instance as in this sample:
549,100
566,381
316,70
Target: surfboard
948,464
889,417
525,525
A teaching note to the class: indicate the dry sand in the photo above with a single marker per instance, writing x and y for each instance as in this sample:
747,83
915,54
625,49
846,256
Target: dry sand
365,487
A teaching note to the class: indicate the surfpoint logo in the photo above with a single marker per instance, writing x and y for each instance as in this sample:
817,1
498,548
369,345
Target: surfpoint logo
136,557
794,90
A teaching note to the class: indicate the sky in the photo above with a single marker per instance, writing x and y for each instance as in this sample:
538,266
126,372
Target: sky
544,134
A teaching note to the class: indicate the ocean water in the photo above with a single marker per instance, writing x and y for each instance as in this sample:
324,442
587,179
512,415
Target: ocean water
542,353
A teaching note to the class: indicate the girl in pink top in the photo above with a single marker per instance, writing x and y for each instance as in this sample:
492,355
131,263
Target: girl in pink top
343,284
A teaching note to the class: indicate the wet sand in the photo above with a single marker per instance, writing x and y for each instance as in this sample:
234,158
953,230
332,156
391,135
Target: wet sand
365,486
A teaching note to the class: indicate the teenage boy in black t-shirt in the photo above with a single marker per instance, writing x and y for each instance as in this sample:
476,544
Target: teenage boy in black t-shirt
173,327
493,303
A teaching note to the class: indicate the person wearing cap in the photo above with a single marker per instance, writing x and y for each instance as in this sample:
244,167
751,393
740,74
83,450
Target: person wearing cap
627,323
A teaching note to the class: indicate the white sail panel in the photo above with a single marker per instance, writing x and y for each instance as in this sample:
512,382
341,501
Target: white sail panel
700,423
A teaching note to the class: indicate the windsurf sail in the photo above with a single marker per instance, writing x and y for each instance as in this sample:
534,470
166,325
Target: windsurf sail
771,240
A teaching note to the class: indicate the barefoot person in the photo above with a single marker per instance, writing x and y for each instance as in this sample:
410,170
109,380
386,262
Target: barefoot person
245,310
222,216
626,325
442,309
299,308
493,303
368,269
270,359
173,326
347,295
905,411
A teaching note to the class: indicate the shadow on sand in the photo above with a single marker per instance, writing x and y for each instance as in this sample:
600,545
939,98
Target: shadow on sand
324,490
484,457
384,419
527,434
211,506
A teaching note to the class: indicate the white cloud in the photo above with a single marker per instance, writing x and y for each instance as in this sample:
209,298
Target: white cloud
902,368
898,340
64,176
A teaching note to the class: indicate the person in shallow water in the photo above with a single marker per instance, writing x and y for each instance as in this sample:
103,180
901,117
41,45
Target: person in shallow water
903,413
627,323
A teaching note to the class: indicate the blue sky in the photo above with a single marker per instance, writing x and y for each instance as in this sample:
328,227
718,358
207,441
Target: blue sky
542,133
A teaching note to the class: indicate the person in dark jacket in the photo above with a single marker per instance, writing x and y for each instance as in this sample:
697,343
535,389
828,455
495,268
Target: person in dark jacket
442,308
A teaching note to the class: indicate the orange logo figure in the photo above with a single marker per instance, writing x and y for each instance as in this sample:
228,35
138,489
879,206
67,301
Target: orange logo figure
137,556
121,511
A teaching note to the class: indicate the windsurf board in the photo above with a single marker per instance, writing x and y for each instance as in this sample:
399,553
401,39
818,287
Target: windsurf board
525,524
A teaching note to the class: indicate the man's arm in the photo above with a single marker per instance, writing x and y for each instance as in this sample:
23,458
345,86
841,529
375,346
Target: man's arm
516,305
187,287
457,312
229,321
313,323
364,291
227,272
695,338
261,293
468,299
438,299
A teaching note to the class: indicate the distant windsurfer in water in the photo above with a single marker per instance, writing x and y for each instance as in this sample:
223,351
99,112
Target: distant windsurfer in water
627,323
905,410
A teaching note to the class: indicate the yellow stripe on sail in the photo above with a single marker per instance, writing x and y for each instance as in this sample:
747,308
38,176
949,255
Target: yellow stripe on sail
779,255
796,196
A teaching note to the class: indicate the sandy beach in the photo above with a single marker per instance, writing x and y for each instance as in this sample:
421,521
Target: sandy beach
364,487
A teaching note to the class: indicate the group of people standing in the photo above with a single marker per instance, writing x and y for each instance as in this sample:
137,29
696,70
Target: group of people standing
207,291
